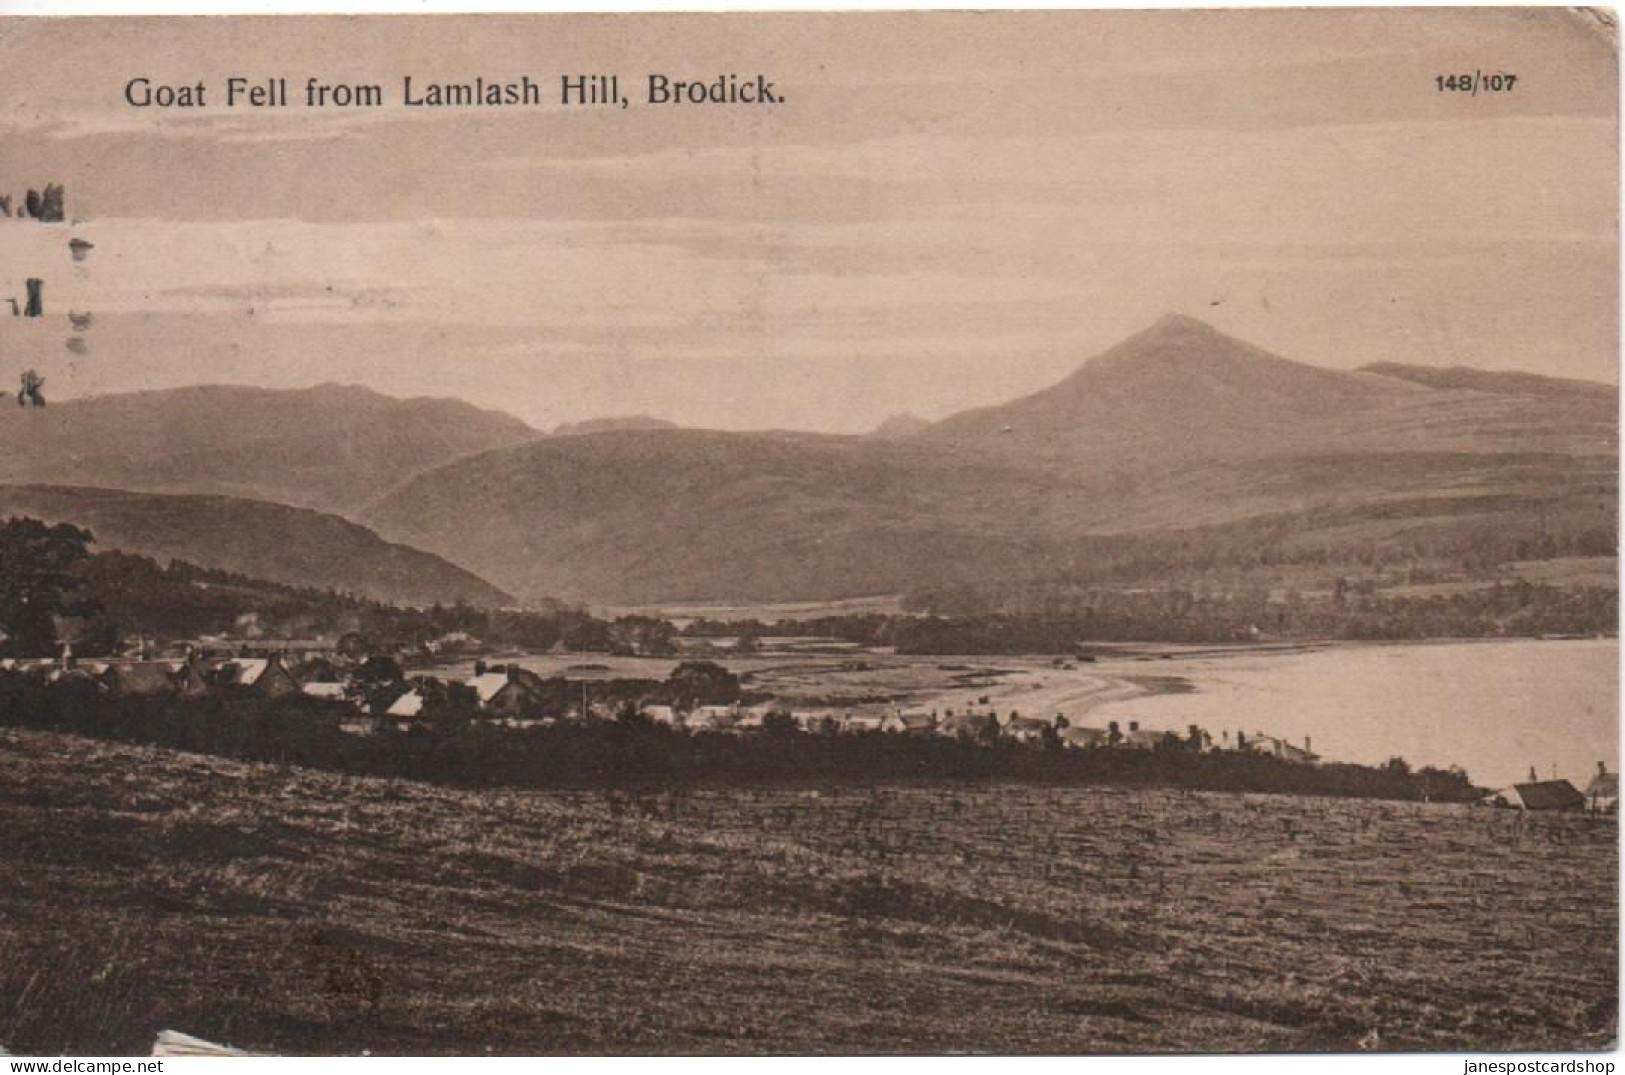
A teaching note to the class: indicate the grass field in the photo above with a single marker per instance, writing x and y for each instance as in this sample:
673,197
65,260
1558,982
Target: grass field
298,912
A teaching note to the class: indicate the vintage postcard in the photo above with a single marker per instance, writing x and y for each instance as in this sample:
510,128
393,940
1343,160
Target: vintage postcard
914,532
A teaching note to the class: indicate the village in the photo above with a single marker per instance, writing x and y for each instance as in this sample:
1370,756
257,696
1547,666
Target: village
511,695
372,695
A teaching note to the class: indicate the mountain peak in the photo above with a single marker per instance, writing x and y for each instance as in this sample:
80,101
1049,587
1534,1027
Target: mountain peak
1177,388
1182,323
1181,335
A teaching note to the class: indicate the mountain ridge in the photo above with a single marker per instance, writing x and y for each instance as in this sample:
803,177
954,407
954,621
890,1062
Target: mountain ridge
331,447
1178,426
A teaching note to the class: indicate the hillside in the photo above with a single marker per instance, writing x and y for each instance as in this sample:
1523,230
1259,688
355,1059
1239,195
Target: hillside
253,904
1178,389
1183,392
900,425
636,517
1179,432
1511,383
609,425
292,546
332,447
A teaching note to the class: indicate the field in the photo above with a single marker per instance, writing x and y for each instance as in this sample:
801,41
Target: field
290,911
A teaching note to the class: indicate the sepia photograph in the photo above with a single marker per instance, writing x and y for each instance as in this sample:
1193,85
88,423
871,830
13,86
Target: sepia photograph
810,533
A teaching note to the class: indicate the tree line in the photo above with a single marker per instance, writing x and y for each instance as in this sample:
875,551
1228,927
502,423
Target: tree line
628,752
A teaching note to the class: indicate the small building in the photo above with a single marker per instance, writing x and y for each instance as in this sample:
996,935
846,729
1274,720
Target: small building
262,675
854,723
326,690
711,718
910,722
1274,746
407,707
192,677
1602,794
506,693
1137,738
816,722
1277,746
140,677
968,725
754,718
1538,795
1079,738
661,714
1030,730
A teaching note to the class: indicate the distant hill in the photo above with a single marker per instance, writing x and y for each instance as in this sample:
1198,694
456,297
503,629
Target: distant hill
610,425
1511,383
1178,389
1180,433
1179,430
898,426
637,517
1181,391
332,447
291,546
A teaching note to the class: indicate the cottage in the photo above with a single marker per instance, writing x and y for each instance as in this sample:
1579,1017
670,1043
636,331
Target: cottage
508,693
1263,743
1030,730
1538,795
327,690
140,677
853,723
1076,738
262,675
192,676
661,714
968,725
910,722
711,718
1135,737
816,722
407,707
1602,794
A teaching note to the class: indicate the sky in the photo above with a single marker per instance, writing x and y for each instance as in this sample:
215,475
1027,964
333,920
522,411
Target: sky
947,210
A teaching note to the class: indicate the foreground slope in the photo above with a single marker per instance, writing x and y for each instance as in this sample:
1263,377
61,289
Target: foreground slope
292,546
291,911
331,447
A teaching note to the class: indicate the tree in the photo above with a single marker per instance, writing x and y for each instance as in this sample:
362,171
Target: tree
779,723
39,581
447,705
629,714
702,683
377,683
